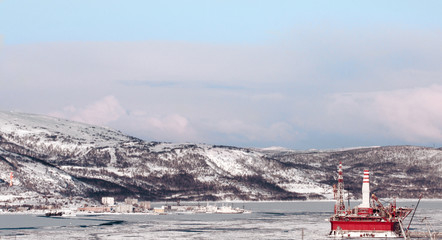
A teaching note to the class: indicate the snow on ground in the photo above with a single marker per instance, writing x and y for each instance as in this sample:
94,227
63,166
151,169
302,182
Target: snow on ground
23,124
232,161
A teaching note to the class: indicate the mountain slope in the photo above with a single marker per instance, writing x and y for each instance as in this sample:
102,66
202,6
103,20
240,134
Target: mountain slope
56,157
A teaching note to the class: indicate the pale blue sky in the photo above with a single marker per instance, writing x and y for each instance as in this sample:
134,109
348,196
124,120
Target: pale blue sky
247,21
298,74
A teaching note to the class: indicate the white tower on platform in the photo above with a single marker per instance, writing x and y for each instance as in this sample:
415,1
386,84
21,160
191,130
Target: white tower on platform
365,190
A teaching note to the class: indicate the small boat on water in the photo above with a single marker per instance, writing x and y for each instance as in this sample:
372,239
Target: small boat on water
230,210
54,214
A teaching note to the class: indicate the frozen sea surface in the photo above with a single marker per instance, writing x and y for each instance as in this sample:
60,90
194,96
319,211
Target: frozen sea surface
269,220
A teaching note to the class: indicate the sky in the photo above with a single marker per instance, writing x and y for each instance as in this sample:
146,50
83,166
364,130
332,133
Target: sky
247,73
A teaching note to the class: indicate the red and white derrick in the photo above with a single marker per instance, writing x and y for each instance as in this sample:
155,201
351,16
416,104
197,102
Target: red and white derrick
339,192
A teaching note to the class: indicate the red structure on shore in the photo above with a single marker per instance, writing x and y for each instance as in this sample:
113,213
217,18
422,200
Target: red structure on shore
370,218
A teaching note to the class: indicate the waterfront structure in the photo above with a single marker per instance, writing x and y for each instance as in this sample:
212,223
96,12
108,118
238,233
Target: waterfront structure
131,201
108,201
369,219
146,205
124,208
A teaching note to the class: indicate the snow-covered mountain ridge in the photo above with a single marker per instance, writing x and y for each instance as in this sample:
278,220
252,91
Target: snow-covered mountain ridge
61,158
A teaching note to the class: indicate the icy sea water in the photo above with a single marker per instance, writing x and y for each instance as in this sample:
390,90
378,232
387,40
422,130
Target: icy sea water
269,220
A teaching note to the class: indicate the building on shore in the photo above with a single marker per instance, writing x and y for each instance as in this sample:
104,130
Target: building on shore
131,201
95,209
145,205
108,201
124,208
158,210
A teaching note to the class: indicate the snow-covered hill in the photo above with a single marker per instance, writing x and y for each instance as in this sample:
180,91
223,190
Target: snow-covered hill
60,158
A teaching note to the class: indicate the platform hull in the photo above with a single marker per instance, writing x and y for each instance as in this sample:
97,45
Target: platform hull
362,225
372,227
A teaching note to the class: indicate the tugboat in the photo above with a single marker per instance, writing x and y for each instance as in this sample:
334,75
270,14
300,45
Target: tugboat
370,219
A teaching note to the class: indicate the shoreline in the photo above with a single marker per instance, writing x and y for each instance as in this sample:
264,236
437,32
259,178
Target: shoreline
73,210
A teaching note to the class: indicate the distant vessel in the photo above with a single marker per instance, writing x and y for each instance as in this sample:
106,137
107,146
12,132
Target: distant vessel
370,218
230,210
54,214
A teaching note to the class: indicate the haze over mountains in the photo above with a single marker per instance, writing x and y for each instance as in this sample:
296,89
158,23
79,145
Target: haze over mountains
61,159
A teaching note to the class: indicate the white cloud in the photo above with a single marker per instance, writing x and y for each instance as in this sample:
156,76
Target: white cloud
101,112
413,115
169,127
171,123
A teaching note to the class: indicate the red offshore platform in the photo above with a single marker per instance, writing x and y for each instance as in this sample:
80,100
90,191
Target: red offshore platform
370,218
